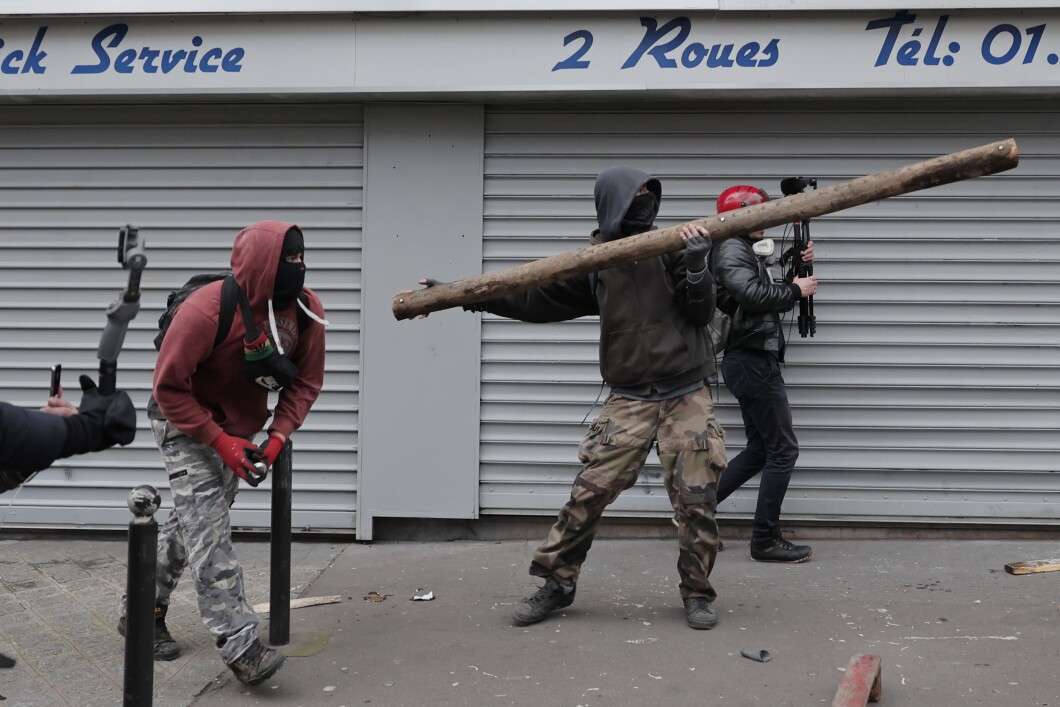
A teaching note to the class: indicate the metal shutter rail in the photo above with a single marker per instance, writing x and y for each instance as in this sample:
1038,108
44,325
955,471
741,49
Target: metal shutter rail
189,176
932,389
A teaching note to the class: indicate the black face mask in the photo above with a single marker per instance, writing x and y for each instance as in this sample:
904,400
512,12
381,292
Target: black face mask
641,214
290,278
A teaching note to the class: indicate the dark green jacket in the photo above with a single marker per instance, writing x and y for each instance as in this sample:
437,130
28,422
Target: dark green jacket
653,335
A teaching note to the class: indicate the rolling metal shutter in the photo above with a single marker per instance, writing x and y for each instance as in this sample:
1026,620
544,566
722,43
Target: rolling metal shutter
189,176
932,389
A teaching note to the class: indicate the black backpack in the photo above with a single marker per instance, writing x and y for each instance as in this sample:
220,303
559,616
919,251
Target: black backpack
229,301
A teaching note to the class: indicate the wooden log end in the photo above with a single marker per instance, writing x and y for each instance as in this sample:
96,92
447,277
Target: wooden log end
863,682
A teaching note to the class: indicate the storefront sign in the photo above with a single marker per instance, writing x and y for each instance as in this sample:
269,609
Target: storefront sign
186,54
517,53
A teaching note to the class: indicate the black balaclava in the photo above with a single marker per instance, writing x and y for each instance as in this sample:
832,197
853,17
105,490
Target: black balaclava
619,211
290,277
640,215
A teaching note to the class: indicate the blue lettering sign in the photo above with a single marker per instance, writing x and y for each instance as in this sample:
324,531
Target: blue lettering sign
909,52
149,60
716,56
1001,44
20,62
574,61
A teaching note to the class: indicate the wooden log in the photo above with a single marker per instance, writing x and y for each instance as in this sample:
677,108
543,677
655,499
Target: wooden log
863,682
300,603
954,167
1031,566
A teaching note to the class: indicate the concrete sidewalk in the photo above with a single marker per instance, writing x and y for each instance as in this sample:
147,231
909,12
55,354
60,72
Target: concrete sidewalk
59,607
951,626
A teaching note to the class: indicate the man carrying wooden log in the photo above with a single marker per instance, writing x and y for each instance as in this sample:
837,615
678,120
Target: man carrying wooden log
655,354
751,367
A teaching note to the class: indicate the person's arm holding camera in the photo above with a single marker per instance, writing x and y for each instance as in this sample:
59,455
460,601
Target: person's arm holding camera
31,440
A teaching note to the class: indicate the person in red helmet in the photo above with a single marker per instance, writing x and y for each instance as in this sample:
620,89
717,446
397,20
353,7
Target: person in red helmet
751,368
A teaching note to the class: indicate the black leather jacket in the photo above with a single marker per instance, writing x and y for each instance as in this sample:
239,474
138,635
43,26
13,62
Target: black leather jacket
756,322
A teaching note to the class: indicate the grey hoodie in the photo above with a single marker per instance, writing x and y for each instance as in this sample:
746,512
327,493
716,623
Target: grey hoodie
614,192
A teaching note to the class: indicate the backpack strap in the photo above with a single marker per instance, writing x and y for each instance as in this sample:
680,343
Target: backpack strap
252,331
229,297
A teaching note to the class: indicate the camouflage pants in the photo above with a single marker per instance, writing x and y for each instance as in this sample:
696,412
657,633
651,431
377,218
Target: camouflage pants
198,534
691,447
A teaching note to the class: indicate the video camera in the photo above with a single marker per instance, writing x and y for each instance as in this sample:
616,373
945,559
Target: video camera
797,185
800,239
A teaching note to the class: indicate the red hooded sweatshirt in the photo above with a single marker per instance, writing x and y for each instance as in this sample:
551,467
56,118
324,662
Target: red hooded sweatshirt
200,389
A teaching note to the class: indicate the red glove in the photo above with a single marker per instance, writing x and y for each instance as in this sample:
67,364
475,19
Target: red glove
271,448
233,452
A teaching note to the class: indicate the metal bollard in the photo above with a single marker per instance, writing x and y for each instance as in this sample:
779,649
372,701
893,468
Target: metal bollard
280,550
140,598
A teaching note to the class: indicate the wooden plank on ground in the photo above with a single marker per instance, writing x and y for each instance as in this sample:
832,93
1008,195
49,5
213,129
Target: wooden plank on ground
300,603
863,682
1031,566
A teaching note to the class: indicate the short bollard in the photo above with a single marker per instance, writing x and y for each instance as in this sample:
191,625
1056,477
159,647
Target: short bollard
280,551
140,598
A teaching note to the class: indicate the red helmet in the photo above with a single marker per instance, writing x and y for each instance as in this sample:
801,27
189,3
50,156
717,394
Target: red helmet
739,196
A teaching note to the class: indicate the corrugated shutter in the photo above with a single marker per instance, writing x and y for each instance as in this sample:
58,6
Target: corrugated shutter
189,176
932,388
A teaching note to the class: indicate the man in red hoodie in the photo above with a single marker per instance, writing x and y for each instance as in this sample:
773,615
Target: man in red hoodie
208,402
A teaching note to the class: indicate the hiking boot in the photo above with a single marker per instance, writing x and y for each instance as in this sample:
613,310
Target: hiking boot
776,549
699,614
165,647
547,599
257,663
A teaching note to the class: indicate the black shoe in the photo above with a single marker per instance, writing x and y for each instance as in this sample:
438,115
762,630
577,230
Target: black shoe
165,647
777,549
257,664
699,614
547,599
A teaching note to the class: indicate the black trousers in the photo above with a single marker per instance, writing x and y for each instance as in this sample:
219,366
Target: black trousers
754,379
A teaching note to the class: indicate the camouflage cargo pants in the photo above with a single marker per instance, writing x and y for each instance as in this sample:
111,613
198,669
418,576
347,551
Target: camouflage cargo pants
198,534
691,447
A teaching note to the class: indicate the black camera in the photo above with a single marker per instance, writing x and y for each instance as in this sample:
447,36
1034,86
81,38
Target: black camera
797,185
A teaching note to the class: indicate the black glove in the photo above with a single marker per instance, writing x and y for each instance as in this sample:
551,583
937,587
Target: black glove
101,421
696,250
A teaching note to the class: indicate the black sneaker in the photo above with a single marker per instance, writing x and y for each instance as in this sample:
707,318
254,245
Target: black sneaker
777,549
165,647
547,599
699,614
257,663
